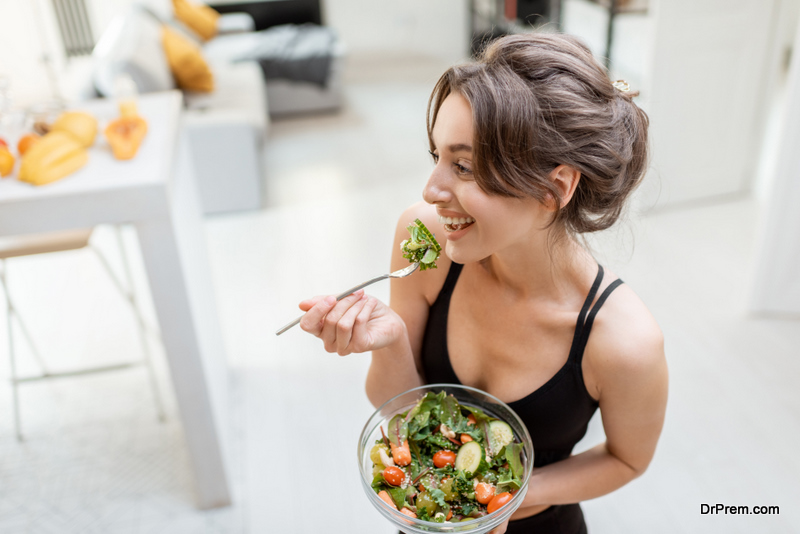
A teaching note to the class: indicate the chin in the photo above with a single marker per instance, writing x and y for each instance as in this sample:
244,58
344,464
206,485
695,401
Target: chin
462,255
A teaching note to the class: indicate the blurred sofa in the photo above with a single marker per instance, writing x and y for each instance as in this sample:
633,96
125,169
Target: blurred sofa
225,127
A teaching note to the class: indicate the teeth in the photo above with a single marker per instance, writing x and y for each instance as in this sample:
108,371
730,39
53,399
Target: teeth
455,220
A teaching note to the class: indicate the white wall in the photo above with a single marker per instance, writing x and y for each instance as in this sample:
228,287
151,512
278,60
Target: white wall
421,27
707,99
28,31
776,286
437,28
22,48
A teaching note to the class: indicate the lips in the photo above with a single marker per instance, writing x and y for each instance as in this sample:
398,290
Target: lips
455,220
454,224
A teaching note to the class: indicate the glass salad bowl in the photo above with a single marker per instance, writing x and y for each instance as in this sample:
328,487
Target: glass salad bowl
467,397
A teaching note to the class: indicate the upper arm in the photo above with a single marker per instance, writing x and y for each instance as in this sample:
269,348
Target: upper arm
628,361
411,297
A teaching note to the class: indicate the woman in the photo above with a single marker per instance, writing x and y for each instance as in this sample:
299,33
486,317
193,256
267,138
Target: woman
533,146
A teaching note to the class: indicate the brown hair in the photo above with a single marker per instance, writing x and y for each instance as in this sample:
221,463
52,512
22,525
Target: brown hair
542,100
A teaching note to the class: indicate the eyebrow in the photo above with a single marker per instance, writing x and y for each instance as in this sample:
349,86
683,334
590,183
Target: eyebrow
460,147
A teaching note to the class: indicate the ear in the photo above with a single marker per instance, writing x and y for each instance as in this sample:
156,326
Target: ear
566,179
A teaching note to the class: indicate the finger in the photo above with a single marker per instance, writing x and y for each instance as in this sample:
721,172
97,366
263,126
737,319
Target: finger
312,321
328,334
360,337
307,304
344,328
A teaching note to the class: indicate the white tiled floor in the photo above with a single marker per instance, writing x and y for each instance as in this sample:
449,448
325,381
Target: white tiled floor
97,461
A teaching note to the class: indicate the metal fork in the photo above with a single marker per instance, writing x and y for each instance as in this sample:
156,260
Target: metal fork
402,273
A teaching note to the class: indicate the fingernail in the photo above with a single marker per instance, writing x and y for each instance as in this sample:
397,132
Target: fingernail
330,300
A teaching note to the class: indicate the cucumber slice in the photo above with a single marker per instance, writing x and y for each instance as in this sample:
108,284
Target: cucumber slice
500,435
469,457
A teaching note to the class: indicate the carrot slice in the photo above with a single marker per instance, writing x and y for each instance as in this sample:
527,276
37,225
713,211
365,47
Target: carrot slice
385,497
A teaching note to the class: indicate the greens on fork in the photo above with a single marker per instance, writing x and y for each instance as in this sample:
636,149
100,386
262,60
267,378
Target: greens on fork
422,247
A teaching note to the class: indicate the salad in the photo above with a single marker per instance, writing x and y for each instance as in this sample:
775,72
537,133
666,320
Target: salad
445,462
422,248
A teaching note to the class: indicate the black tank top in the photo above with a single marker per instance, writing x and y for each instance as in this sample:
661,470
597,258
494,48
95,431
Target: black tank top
557,413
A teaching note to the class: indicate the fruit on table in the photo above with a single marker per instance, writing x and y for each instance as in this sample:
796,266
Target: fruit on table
25,142
78,124
125,135
6,161
53,157
3,143
128,108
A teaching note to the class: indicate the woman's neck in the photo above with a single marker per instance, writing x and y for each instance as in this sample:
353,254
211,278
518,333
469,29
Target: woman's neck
544,269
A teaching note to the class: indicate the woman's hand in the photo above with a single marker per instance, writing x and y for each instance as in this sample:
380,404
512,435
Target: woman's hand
500,529
357,323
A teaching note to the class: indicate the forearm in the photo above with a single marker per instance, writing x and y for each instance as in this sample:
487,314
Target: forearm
392,371
585,476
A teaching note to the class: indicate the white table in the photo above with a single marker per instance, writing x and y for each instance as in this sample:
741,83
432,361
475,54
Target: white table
156,192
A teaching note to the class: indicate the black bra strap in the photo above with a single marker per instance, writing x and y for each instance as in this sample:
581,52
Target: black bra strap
584,310
452,278
587,328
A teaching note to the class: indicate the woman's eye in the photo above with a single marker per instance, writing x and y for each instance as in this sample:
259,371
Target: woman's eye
434,156
463,170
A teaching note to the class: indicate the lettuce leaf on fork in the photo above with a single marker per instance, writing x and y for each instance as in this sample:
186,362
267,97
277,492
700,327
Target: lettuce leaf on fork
422,247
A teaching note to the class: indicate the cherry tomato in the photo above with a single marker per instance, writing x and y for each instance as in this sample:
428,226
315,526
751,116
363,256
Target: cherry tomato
498,501
484,492
394,475
443,458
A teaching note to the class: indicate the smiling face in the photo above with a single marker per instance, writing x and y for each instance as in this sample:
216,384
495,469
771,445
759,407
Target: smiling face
476,224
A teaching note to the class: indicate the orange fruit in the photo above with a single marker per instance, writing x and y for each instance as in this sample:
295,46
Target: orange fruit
25,142
3,143
6,162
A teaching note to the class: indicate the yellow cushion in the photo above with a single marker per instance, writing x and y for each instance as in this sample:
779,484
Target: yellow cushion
200,18
186,62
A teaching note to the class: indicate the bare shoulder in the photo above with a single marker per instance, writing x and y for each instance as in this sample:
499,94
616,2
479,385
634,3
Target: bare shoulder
626,344
431,281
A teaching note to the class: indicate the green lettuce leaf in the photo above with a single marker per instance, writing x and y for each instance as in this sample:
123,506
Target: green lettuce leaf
438,496
514,458
398,429
449,412
398,496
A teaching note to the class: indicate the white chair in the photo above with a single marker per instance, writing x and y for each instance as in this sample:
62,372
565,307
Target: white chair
11,247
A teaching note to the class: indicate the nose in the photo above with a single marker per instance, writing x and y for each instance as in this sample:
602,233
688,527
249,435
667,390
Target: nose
437,190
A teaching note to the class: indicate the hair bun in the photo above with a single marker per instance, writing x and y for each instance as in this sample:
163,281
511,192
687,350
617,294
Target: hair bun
542,100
